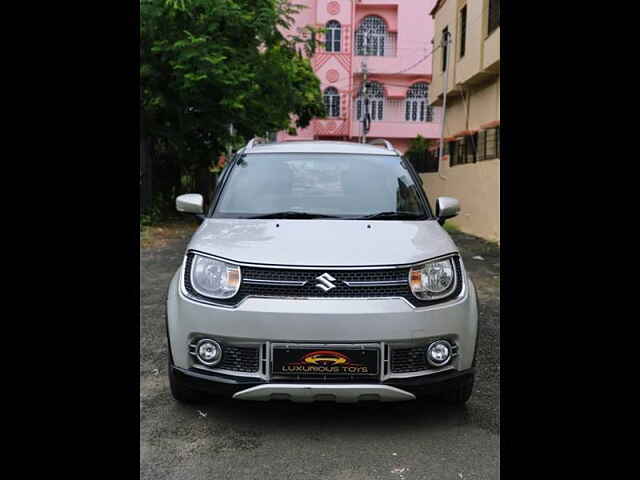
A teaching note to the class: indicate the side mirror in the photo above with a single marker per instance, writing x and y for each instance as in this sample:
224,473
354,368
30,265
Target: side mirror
190,203
446,207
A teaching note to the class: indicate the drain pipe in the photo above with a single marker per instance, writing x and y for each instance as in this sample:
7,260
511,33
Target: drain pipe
445,42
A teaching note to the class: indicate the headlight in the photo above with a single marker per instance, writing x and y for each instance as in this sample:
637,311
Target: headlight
214,278
433,280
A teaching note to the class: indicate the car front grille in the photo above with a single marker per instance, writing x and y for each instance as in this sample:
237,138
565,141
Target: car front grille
405,360
236,359
303,283
288,274
240,359
409,360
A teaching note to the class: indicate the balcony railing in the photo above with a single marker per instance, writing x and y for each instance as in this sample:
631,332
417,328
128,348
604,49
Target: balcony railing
379,45
397,110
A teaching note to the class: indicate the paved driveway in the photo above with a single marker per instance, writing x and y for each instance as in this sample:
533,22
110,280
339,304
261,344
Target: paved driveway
246,440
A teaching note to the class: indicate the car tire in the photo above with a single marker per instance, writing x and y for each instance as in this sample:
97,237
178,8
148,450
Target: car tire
181,392
458,393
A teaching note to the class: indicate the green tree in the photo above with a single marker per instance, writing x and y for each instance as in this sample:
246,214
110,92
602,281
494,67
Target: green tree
207,63
417,153
418,145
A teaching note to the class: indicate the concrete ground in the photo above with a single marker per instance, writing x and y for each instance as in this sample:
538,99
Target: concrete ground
247,440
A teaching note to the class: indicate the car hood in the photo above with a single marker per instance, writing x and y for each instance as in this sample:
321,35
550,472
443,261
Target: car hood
324,243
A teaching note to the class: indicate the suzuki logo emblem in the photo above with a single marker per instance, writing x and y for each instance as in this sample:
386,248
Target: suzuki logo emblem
324,282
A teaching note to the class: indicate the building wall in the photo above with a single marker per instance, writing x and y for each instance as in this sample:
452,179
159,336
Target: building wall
484,103
482,51
446,17
412,30
477,187
479,106
473,104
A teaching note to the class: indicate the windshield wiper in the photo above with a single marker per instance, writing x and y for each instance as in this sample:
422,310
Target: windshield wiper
293,214
394,216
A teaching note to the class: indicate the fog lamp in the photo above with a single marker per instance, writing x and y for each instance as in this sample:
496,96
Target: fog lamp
438,353
208,352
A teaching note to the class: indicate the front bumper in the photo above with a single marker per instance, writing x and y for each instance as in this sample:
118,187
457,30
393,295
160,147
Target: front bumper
262,322
243,388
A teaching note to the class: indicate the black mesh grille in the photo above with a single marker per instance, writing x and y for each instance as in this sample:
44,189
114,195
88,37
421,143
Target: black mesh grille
294,275
405,360
239,359
311,291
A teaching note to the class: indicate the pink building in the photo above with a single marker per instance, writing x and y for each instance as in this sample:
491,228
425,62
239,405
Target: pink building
392,39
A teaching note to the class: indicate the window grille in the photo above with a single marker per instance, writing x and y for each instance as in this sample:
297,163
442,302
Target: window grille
481,146
375,92
417,108
463,30
461,151
494,15
380,42
470,146
452,152
492,143
464,150
394,110
332,102
333,37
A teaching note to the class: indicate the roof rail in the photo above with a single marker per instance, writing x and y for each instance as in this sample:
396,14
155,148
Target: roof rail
387,145
382,141
252,143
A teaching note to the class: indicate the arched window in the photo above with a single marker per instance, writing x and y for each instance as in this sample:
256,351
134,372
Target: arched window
332,102
417,105
333,36
372,32
375,93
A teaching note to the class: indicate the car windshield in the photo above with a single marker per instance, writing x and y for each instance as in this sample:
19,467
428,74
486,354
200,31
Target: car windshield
320,186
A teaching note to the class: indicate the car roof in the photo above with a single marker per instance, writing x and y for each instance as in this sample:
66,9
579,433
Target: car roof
321,146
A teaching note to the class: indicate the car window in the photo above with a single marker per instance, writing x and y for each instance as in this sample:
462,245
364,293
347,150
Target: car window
327,184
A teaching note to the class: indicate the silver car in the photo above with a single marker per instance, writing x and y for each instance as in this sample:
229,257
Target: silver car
320,272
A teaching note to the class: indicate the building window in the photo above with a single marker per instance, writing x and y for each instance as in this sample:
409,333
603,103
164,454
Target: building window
372,32
491,144
452,152
333,37
332,102
463,30
445,47
481,147
417,108
375,94
463,150
494,15
471,147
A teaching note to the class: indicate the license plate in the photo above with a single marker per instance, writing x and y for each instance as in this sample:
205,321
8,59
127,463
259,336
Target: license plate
325,361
